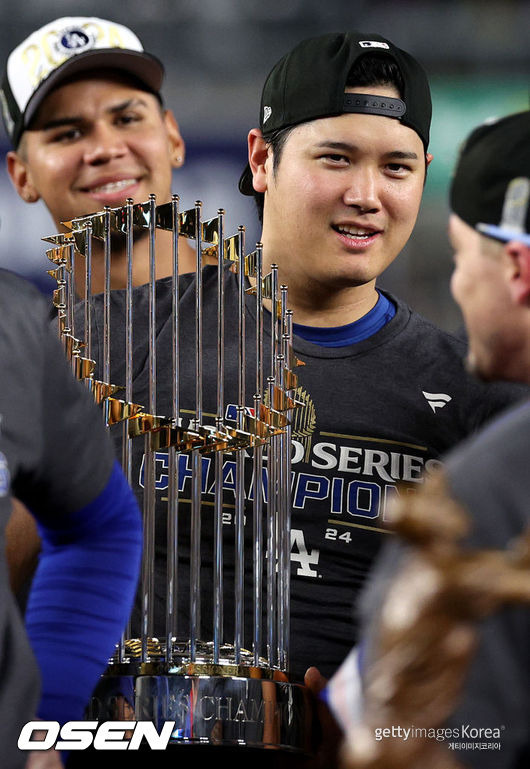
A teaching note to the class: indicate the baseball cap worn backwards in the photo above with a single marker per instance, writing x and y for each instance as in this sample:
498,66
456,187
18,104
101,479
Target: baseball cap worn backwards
61,49
309,83
490,189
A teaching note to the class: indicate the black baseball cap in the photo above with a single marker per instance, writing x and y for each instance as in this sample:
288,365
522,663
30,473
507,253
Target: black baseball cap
65,47
490,189
309,83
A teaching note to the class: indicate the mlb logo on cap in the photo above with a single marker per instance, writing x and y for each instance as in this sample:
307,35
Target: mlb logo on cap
373,44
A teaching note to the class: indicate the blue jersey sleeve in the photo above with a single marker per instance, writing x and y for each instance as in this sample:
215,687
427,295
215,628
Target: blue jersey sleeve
82,595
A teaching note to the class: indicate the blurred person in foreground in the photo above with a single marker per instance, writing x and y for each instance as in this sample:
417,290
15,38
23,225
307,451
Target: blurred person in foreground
447,619
56,457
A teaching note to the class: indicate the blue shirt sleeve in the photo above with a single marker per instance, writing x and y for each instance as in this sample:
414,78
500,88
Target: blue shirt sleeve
82,595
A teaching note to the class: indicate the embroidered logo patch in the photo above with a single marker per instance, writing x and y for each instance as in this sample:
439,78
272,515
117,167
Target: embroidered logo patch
373,44
437,400
76,39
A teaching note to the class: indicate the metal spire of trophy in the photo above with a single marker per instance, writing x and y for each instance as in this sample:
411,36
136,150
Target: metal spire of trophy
218,682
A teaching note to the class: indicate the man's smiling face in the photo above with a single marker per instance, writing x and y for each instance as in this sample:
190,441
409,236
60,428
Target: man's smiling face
97,141
344,198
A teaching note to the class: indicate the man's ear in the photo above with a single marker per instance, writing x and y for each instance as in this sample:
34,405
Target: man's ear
20,174
178,147
519,276
258,153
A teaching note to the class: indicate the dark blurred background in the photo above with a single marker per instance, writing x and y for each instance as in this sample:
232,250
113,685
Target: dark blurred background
217,54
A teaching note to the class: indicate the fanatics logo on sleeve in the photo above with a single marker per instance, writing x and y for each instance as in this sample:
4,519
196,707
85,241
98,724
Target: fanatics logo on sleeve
437,400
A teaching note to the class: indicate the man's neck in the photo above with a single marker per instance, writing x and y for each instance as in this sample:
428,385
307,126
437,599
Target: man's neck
339,309
140,271
323,305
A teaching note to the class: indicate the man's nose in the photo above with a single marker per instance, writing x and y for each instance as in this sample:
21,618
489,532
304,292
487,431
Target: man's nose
105,143
362,191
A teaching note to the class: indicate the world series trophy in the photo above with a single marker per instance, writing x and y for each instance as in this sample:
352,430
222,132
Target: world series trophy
222,679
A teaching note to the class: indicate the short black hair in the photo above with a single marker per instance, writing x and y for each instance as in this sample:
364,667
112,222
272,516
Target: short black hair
367,71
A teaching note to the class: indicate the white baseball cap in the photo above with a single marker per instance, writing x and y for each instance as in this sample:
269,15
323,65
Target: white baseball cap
65,47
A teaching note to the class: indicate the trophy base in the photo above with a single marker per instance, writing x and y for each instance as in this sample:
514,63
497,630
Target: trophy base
230,711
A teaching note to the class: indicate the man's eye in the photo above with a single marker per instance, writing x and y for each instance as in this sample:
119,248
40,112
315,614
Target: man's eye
127,118
398,168
335,158
67,135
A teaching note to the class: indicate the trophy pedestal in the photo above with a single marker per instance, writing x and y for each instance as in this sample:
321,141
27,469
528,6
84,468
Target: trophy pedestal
225,706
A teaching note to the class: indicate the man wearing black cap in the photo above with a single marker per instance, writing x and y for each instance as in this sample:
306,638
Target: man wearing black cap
487,475
337,168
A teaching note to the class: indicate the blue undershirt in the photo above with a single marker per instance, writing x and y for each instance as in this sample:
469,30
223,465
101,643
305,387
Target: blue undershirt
341,336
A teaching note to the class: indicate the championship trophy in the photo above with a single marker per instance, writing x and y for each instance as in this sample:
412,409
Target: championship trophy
208,646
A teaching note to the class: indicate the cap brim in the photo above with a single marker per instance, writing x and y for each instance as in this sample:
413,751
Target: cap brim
245,182
503,233
143,66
